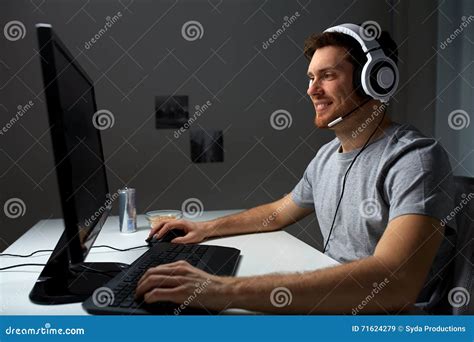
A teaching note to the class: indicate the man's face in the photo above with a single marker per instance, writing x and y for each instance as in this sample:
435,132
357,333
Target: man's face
330,88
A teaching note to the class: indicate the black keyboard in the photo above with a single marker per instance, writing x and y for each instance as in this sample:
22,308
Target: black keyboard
212,259
124,292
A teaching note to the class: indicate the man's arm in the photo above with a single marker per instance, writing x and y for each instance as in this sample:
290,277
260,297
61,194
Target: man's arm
265,218
398,269
389,280
268,217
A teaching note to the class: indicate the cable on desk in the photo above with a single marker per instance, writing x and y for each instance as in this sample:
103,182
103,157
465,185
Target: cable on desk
50,250
26,255
20,265
118,249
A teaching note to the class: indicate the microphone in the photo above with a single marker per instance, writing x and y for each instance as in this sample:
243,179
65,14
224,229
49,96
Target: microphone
339,119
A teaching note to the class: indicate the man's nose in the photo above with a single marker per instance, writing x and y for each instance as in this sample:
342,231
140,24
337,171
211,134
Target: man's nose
314,88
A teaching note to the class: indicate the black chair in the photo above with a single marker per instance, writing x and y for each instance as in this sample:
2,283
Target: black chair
455,295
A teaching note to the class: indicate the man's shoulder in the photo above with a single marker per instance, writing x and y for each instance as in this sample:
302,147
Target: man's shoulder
406,139
410,149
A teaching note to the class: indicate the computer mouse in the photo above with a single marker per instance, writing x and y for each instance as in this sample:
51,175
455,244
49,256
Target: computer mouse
168,237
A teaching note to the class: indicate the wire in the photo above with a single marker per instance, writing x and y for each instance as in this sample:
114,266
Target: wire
27,255
344,181
118,249
50,250
20,265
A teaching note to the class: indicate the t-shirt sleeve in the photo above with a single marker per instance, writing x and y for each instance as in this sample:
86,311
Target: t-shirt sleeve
302,193
420,182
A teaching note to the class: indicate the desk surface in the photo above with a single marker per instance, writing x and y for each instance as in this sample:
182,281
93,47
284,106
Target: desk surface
260,254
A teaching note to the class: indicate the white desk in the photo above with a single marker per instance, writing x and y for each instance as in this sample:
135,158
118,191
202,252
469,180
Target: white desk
260,254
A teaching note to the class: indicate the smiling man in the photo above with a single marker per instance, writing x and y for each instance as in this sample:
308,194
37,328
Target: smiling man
386,229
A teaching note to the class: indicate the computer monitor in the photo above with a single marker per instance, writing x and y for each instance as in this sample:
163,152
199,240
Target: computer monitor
81,175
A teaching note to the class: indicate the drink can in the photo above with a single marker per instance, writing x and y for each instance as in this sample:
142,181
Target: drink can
127,210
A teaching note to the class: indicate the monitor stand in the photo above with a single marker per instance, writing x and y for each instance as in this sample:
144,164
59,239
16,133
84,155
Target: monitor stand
61,283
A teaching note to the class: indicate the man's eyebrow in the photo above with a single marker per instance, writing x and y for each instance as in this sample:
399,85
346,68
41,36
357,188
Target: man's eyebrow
333,67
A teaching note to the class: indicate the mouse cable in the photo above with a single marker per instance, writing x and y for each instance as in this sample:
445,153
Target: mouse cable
20,265
50,250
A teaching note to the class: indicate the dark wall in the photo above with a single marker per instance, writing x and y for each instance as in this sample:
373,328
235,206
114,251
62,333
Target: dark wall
143,55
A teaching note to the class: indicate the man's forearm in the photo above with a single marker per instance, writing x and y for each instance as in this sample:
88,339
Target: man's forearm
361,286
248,221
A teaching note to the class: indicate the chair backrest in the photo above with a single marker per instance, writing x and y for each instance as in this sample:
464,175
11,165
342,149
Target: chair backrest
455,294
462,282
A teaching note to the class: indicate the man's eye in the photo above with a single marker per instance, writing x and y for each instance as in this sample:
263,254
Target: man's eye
311,80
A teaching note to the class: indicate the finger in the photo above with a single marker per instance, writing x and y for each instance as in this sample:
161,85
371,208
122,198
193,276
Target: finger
158,281
151,281
171,295
152,271
182,224
155,227
164,229
189,237
183,239
180,267
157,223
174,224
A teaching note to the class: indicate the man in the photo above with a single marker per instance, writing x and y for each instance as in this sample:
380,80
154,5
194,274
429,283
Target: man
387,230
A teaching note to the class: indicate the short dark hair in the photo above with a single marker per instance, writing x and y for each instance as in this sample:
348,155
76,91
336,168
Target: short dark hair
356,56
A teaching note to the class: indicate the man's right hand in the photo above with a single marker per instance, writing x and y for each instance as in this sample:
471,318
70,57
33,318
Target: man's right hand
195,231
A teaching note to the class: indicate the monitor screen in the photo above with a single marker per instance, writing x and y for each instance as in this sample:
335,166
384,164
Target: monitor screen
81,174
84,167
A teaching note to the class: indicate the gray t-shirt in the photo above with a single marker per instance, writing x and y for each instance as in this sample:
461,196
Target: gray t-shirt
401,172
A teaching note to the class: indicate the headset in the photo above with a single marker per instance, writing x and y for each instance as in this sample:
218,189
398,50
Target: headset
378,79
379,76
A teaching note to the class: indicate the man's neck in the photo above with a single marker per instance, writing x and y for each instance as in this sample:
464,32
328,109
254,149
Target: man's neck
356,131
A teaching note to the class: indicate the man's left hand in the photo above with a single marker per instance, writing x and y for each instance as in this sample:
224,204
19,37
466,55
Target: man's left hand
180,282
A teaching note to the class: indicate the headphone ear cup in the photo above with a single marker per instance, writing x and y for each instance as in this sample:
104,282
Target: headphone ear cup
382,77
